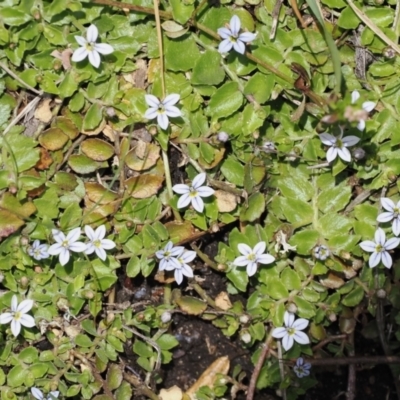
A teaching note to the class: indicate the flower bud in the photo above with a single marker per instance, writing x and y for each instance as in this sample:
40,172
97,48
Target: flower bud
391,176
268,147
24,241
332,317
389,53
245,336
24,282
110,111
381,294
223,137
321,252
292,308
358,153
244,319
166,317
110,318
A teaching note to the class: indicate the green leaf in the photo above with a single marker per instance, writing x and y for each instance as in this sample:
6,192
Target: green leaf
238,276
28,355
181,10
167,342
304,308
225,101
353,298
93,117
276,289
290,279
16,376
348,19
13,17
142,349
114,376
260,87
297,212
256,206
334,199
124,391
181,54
233,171
305,241
207,69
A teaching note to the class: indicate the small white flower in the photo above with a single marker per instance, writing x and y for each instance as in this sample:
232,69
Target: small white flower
301,369
232,38
222,137
193,194
367,106
97,242
89,47
65,244
38,394
162,109
379,249
393,213
168,256
321,252
291,331
338,146
38,251
18,315
183,268
251,257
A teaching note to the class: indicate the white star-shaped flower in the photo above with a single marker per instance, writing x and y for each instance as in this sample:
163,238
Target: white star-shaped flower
291,332
338,146
38,394
232,38
97,243
393,213
89,47
193,194
379,249
321,252
301,369
65,244
182,268
168,256
38,251
162,109
18,315
251,257
367,107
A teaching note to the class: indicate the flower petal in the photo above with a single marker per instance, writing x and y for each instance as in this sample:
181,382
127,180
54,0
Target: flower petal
103,48
374,259
37,393
81,40
386,259
188,256
6,318
92,33
152,101
251,268
15,327
361,125
368,106
224,33
396,226
151,113
288,319
234,24
328,139
279,333
187,271
287,342
73,235
239,47
14,303
173,111
184,201
244,249
300,324
101,253
171,99
107,244
205,191
55,249
259,248
387,204
178,276
355,95
94,58
344,154
64,257
79,54
331,154
162,121
241,261
180,188
27,320
247,37
100,232
89,233
25,306
265,259
380,237
350,140
368,245
199,180
301,338
77,247
392,243
198,204
225,46
385,217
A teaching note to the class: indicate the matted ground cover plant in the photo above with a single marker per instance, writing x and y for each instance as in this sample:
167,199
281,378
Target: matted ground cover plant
198,199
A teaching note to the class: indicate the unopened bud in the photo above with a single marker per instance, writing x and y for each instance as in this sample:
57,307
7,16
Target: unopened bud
321,252
88,294
391,176
381,294
268,147
166,317
292,308
24,281
110,111
332,317
223,137
245,336
110,318
153,130
244,319
24,241
389,53
358,153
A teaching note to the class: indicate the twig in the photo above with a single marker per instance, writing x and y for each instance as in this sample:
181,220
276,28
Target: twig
257,369
17,78
330,339
351,380
362,360
140,386
199,290
275,16
205,258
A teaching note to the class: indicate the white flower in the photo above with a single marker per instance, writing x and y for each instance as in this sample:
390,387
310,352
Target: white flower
393,213
168,256
379,249
251,257
66,244
301,369
291,331
222,137
338,146
162,109
90,48
38,394
182,268
321,252
367,106
232,38
18,315
97,242
193,194
38,251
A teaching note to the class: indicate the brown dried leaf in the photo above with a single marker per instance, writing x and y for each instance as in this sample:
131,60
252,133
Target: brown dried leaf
332,281
209,376
144,186
143,156
64,56
222,301
226,202
43,112
45,160
109,133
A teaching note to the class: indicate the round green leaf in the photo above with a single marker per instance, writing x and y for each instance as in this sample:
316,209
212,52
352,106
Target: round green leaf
97,149
225,101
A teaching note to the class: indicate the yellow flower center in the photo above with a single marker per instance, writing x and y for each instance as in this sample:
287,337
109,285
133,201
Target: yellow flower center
65,244
378,248
193,193
291,331
97,243
17,315
251,257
